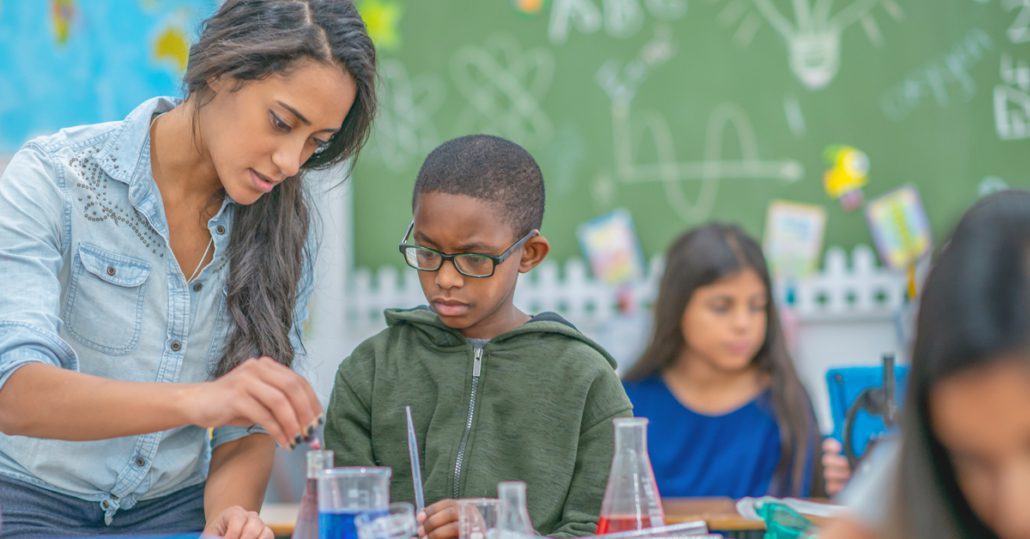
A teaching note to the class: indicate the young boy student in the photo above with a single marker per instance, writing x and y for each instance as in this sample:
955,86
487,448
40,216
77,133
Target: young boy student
496,394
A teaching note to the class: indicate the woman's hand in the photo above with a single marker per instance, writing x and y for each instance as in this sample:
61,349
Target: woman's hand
237,523
439,521
836,470
261,392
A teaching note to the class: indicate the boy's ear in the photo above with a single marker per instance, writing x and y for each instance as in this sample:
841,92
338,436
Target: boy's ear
533,252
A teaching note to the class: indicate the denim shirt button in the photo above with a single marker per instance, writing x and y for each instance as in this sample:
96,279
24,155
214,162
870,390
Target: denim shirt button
105,504
111,271
140,462
176,346
197,287
220,230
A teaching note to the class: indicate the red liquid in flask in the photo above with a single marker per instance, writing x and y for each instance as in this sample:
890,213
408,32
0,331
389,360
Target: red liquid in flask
631,499
619,523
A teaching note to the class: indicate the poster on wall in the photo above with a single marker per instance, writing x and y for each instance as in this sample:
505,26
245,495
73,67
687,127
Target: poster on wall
793,237
900,228
610,244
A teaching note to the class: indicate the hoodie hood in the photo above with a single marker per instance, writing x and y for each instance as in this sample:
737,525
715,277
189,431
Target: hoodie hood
433,329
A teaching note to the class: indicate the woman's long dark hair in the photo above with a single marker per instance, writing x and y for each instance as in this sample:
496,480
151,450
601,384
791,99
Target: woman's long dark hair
699,258
975,310
249,40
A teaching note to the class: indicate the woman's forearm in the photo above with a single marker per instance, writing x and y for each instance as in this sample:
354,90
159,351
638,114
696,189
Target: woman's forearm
44,401
239,474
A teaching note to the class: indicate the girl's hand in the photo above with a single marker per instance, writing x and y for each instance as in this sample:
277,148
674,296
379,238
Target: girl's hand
836,470
237,523
439,521
258,392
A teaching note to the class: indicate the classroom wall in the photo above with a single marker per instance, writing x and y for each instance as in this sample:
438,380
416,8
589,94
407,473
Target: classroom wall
930,83
683,111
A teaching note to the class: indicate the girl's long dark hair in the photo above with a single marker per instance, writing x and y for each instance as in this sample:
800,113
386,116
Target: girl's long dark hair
249,40
699,258
975,310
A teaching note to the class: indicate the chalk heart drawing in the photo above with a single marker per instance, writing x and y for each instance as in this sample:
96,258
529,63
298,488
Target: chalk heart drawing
503,86
811,28
404,130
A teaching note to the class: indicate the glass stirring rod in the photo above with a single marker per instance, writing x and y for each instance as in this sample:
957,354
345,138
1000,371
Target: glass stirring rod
416,468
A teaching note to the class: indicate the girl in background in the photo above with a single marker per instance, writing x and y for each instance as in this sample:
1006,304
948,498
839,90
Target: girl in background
728,414
963,468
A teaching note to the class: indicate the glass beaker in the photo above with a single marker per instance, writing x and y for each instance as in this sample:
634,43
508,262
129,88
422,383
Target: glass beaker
397,523
476,516
513,520
307,516
631,500
345,493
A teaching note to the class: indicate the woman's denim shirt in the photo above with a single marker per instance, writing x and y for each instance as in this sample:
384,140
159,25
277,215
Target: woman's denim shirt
89,283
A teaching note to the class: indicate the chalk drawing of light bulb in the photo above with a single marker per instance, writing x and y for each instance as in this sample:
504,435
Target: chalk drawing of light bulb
812,30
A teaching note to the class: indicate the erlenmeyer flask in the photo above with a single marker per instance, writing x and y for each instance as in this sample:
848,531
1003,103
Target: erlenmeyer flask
307,514
513,520
631,499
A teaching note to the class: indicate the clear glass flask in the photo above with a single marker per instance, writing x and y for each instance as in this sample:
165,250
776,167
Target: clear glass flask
513,520
307,515
631,500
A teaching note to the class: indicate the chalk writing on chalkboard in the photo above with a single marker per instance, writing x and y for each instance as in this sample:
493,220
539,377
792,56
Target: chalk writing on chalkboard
1012,100
621,82
617,18
795,117
1019,32
503,86
942,80
812,31
404,129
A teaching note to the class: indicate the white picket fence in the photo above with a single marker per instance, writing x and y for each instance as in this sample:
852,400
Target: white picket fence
847,287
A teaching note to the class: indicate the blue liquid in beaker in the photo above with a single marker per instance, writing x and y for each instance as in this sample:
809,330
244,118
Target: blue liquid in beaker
340,524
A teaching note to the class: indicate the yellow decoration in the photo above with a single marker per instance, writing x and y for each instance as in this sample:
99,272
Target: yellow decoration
529,6
173,47
62,13
381,18
850,171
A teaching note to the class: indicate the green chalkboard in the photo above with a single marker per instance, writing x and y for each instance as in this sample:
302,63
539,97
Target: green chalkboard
683,111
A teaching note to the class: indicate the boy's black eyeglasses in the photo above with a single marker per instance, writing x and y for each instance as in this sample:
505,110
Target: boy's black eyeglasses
467,264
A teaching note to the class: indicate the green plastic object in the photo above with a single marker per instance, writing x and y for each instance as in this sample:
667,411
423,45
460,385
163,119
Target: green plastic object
782,522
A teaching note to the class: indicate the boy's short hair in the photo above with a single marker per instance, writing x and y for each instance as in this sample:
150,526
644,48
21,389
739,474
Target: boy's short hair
487,168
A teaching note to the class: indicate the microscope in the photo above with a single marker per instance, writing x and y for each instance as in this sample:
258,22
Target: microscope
875,401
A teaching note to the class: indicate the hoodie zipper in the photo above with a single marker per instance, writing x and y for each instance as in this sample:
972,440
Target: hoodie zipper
477,364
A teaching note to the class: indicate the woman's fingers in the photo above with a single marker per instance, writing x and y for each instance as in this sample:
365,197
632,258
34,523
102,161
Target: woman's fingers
301,395
263,392
280,409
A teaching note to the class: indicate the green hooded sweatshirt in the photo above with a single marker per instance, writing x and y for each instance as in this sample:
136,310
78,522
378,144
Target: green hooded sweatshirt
535,404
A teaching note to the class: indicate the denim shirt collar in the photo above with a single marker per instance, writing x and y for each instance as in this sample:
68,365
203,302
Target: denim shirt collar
126,158
122,158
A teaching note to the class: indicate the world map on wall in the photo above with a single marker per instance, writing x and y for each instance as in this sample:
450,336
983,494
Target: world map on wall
73,62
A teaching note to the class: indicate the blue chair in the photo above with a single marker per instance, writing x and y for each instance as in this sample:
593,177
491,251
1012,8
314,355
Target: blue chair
857,402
